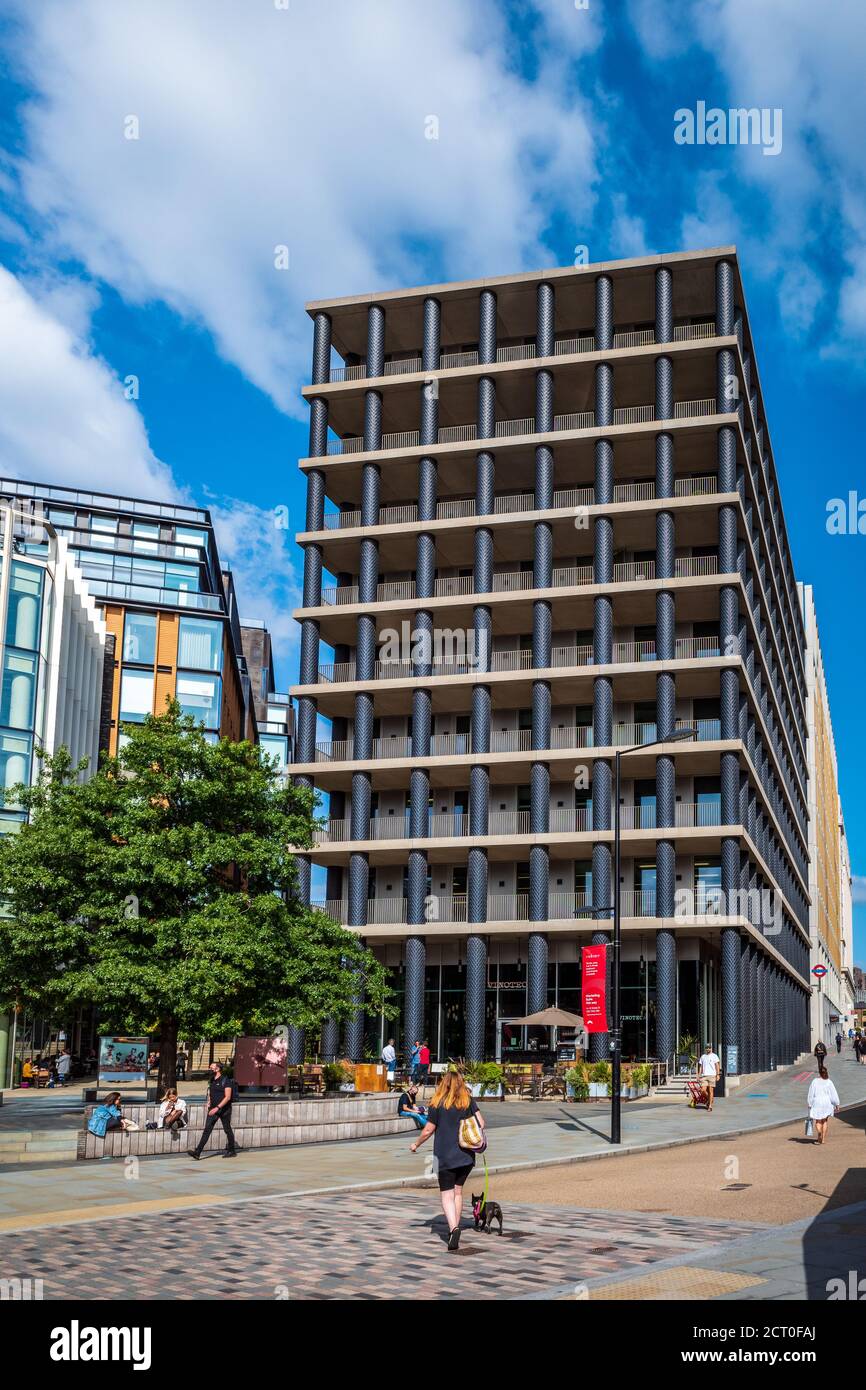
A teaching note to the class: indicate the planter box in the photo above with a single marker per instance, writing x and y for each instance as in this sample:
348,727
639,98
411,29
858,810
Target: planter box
598,1090
492,1093
569,1091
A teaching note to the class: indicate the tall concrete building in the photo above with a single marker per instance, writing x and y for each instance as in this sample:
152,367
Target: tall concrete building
831,911
544,523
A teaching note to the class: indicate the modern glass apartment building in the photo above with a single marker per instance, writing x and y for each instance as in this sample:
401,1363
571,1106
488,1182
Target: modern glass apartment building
52,640
52,655
153,570
544,522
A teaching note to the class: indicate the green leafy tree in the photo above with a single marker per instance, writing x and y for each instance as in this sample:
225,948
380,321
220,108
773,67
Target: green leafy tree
163,889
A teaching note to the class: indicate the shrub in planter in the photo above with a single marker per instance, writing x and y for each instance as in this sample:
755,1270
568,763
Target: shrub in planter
484,1078
576,1083
599,1079
338,1075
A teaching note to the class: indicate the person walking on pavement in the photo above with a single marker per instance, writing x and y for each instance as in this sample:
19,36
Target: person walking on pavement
450,1105
414,1061
820,1054
709,1071
64,1062
838,1043
220,1097
823,1101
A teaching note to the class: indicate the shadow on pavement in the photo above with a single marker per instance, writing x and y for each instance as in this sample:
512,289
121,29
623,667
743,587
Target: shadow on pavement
834,1248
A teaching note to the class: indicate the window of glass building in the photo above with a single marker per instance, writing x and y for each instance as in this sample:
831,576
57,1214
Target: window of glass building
181,577
276,747
185,535
58,517
136,696
103,527
200,644
200,696
25,606
139,638
145,537
18,695
15,751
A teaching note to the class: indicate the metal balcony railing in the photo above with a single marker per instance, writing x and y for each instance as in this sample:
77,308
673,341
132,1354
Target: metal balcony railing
508,741
447,908
520,352
503,429
624,653
407,513
561,820
517,581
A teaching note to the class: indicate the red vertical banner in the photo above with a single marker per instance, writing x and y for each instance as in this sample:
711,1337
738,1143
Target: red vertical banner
593,988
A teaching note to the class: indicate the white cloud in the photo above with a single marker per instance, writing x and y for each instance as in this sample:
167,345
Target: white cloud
628,231
858,888
304,127
806,60
256,544
63,415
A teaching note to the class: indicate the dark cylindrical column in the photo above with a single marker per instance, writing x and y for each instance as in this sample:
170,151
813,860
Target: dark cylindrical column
330,1039
476,985
416,964
666,994
664,324
536,979
724,299
353,1032
730,951
295,1046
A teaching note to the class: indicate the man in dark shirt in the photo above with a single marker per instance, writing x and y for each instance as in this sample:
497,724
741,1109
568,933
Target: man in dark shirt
408,1105
220,1098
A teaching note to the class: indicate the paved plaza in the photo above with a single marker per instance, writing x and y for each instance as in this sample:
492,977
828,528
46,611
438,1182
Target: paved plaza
384,1245
667,1219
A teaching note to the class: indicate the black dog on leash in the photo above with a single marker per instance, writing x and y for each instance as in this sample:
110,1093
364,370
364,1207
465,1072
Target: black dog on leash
486,1215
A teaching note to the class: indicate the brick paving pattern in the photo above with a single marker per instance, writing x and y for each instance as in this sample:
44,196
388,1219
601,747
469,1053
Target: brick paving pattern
382,1245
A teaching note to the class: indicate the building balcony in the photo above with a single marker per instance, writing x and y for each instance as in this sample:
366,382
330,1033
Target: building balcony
505,741
504,909
573,820
624,653
517,581
579,420
566,499
521,352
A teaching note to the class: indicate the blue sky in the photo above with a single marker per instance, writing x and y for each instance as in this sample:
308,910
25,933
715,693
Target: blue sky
302,124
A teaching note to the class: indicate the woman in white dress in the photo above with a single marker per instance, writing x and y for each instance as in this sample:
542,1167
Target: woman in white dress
823,1101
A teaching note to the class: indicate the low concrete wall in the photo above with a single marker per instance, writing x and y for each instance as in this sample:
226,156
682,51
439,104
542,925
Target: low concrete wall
258,1124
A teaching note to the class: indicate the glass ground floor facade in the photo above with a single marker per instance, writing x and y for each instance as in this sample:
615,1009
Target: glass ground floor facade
698,997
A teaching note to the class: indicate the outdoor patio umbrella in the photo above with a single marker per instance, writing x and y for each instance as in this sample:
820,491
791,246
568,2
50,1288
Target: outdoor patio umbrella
552,1018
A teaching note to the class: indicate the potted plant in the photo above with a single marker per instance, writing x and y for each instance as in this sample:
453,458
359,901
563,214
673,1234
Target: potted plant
484,1078
599,1080
338,1077
577,1084
687,1054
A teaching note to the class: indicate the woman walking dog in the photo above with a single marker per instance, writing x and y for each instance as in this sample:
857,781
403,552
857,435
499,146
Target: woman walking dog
458,1126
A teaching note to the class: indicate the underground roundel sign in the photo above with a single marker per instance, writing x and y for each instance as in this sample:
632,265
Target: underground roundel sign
819,971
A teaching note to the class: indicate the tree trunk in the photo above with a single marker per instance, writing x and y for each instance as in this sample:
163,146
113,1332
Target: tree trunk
167,1075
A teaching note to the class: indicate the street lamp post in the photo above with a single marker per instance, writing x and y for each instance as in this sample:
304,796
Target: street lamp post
678,736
